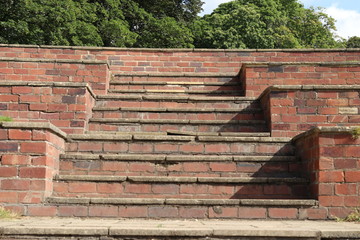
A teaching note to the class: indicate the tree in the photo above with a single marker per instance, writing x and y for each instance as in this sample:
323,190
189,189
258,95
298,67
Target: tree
180,10
112,23
353,42
265,24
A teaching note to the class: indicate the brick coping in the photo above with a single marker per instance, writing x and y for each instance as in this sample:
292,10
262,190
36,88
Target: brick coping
48,84
141,228
181,49
321,64
308,88
46,60
334,129
34,125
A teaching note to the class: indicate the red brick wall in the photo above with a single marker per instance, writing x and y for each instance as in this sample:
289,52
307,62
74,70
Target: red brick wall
177,60
53,70
331,159
67,106
290,112
29,160
259,77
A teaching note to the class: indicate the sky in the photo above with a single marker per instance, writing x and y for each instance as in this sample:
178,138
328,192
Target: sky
346,12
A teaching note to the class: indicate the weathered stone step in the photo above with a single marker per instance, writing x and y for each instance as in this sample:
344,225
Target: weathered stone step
178,110
186,133
191,91
107,186
187,202
177,158
176,83
179,165
193,226
164,144
190,114
148,137
176,179
173,98
182,125
138,102
184,208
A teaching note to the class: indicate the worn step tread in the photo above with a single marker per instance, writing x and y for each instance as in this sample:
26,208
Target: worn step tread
173,98
179,201
147,137
174,83
174,121
192,110
129,137
172,179
173,91
186,133
176,158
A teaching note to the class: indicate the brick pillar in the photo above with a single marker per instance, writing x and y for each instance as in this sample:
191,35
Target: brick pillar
29,155
331,161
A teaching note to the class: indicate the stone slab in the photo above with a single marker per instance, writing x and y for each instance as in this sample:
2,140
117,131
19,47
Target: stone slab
143,229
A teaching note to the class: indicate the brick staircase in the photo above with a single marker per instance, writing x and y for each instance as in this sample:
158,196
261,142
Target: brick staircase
179,146
181,134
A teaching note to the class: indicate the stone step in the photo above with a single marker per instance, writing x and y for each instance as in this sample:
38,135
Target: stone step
176,77
178,158
174,83
251,109
186,133
168,165
182,98
280,224
184,208
106,186
186,125
177,90
167,144
208,102
158,137
190,114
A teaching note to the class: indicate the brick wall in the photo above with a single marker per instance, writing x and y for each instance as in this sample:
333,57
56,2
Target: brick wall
295,109
66,105
331,158
29,154
96,73
177,60
258,77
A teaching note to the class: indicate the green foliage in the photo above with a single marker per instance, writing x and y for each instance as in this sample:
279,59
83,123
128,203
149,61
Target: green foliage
166,24
356,133
7,213
112,23
353,217
353,42
5,119
265,24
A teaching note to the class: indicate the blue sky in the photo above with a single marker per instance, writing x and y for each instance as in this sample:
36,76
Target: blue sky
346,12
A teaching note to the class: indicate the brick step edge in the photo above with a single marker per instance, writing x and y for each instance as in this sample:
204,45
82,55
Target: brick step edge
180,180
185,133
181,110
136,137
176,83
176,158
175,121
173,98
175,201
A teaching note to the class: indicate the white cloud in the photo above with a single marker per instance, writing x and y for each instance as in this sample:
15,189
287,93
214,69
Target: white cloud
347,21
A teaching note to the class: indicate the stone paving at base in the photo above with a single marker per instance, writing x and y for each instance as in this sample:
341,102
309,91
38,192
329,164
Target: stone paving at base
113,228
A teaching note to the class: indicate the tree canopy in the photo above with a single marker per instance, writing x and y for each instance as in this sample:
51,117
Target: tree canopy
265,24
166,24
